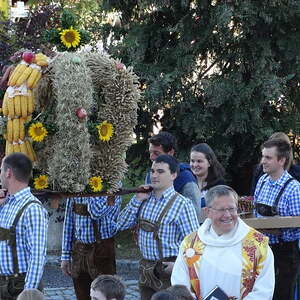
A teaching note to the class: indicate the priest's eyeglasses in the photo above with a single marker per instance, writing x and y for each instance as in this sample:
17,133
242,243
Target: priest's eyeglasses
231,210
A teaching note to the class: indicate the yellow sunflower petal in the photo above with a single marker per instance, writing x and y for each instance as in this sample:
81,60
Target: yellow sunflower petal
105,131
37,131
70,37
41,182
96,183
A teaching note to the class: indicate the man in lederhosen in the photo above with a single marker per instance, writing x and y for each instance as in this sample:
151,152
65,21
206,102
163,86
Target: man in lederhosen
163,218
23,230
88,248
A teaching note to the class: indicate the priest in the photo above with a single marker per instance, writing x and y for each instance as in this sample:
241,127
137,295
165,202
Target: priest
225,255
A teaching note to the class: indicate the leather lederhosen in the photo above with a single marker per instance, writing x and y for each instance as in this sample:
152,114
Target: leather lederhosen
151,272
95,258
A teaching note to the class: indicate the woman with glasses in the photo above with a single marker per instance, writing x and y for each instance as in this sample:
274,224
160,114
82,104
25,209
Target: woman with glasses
207,169
225,256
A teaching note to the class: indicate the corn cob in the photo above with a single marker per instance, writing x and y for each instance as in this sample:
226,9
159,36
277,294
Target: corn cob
5,105
17,105
9,131
30,150
9,149
22,128
30,103
24,106
42,62
16,129
24,76
37,79
33,77
16,147
11,107
6,147
23,147
17,72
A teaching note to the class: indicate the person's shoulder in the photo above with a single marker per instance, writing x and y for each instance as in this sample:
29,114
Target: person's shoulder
34,203
186,171
262,178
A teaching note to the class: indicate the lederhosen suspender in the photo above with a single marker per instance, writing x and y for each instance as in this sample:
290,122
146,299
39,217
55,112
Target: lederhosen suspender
11,236
154,227
81,209
274,206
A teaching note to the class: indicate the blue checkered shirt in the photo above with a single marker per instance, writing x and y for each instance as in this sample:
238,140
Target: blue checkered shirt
31,237
77,227
288,205
179,221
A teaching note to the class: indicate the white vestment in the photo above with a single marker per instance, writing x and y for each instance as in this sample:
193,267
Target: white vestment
221,264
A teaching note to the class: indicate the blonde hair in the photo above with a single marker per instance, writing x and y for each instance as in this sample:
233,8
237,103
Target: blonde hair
282,136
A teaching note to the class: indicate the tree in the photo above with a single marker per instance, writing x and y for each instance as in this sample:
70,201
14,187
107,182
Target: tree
223,71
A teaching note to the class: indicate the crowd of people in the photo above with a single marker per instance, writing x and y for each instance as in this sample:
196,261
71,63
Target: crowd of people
192,242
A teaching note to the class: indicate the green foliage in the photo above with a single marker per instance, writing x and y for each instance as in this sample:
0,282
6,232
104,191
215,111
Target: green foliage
225,72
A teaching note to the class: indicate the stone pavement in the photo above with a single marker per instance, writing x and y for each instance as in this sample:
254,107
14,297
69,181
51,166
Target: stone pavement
67,293
59,287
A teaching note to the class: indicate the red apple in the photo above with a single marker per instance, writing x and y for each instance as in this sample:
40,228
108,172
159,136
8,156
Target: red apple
28,56
81,113
119,66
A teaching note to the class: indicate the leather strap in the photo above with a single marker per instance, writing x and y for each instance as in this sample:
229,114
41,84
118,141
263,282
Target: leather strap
82,210
279,194
13,237
158,223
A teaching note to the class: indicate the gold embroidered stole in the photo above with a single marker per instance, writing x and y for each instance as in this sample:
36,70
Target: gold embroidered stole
254,253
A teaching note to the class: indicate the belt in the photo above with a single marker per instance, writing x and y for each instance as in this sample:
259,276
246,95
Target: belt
82,246
8,277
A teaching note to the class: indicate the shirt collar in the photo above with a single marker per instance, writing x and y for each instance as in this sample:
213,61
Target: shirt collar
166,194
280,181
19,195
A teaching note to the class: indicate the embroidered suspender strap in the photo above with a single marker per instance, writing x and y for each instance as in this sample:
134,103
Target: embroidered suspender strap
80,209
13,237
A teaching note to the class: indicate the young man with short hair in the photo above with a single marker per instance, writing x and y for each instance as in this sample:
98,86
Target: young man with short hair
163,217
185,183
277,190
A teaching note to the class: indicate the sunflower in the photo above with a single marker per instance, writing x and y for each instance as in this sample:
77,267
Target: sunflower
70,37
96,183
37,131
41,182
105,131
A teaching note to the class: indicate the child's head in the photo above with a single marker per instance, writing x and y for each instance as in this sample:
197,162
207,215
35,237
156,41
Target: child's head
163,295
31,294
107,287
181,292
